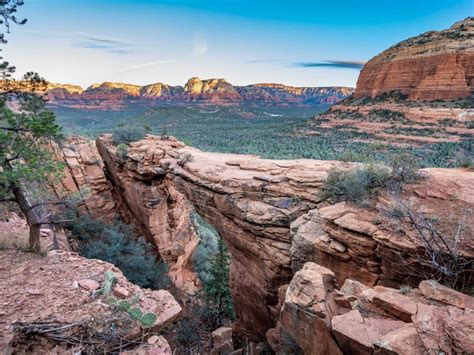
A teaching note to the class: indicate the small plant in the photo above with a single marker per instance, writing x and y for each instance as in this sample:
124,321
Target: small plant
404,168
187,332
146,320
354,185
405,289
125,135
122,151
184,159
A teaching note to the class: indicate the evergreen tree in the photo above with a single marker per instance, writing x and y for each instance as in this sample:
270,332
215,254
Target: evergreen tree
26,127
216,288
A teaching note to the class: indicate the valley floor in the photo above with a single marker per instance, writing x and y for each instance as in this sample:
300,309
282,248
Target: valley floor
282,132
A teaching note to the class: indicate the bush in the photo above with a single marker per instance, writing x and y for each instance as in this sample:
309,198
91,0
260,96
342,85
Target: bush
125,135
404,168
122,151
354,185
465,159
117,244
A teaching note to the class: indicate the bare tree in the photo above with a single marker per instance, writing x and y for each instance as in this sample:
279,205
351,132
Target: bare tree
442,240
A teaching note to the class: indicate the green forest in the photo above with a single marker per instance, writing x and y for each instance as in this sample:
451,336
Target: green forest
270,132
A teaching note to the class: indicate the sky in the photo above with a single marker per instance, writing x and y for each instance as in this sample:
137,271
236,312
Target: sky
298,42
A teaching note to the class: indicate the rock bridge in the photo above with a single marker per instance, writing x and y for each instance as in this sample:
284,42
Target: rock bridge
267,211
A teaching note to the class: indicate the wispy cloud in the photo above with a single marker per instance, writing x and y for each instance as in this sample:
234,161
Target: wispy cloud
335,64
263,61
199,45
145,65
332,64
92,41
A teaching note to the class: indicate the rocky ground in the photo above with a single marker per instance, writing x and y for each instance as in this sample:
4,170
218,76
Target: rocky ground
356,319
63,289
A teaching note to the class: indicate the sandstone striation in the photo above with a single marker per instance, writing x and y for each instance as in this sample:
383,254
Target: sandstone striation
432,66
84,175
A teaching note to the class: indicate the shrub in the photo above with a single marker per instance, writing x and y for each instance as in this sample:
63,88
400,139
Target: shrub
354,185
117,244
404,168
465,159
129,134
187,332
184,159
122,151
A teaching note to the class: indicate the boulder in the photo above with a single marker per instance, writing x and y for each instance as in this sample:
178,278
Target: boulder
435,291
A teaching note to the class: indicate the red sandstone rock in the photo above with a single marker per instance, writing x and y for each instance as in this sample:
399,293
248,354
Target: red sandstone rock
266,228
431,66
433,290
216,91
394,303
356,334
307,311
446,329
404,340
89,285
57,301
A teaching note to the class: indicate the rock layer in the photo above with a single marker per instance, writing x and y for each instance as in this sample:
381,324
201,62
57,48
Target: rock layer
432,66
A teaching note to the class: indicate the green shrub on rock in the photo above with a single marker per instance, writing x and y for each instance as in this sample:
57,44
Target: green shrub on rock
354,185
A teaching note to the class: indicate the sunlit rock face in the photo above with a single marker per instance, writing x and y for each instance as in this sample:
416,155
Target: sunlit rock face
270,216
432,66
109,95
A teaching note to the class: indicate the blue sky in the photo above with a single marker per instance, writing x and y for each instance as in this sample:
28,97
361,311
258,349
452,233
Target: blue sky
299,42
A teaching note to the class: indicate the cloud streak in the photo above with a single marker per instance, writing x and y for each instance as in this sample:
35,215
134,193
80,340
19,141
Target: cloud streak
333,64
145,65
91,41
263,61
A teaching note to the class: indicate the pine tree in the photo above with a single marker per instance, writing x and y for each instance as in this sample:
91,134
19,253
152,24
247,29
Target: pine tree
25,162
216,288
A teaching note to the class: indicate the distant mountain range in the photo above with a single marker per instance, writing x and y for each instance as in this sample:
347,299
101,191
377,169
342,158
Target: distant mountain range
110,95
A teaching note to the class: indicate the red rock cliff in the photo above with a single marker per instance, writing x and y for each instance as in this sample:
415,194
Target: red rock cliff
431,66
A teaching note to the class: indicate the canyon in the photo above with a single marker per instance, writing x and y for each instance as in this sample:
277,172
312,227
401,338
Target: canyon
307,274
110,95
267,211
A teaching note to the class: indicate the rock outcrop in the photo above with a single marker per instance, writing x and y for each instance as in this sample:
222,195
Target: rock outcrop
84,175
432,66
212,91
270,216
356,319
62,289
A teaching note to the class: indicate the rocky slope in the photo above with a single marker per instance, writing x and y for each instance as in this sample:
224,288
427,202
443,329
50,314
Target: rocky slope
271,217
62,289
217,91
432,66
